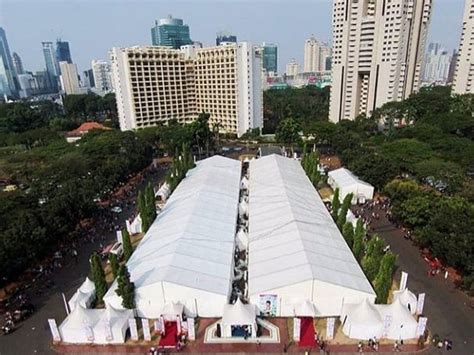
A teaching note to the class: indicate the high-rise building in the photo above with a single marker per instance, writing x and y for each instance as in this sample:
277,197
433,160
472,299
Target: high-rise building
8,79
377,54
270,57
154,85
452,67
436,64
170,32
88,76
17,64
63,54
102,76
316,55
225,37
69,78
464,75
292,68
28,85
52,66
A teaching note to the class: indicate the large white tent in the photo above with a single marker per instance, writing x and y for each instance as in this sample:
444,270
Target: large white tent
296,251
187,254
347,183
79,324
362,321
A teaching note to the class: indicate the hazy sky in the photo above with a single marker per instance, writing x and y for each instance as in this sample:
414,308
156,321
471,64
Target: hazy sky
92,27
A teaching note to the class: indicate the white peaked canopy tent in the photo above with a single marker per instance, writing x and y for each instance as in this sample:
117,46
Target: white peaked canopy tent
238,314
347,183
187,254
171,310
407,298
84,295
112,326
296,250
305,309
163,192
362,321
78,326
402,325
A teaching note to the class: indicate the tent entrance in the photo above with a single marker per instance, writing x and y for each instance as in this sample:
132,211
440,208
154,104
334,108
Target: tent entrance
307,332
170,338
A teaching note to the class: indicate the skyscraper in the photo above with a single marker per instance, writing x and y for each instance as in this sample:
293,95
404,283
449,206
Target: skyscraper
69,78
292,68
8,79
436,64
88,76
464,74
102,75
225,37
270,57
170,32
63,54
452,67
52,66
377,54
316,55
17,64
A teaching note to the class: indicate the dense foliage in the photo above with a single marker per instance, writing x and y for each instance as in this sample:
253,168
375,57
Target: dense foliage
125,288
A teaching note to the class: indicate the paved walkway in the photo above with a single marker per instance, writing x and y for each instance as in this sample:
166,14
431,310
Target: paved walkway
447,308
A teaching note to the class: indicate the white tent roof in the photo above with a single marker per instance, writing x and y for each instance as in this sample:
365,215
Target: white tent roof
344,177
172,308
292,237
239,313
80,317
191,242
406,298
305,309
87,286
363,313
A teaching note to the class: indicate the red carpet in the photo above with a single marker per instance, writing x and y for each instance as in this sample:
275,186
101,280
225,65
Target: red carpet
169,339
307,334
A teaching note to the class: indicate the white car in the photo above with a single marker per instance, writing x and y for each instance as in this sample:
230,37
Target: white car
117,249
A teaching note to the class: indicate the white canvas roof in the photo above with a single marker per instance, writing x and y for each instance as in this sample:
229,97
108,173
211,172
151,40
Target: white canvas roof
344,177
191,242
239,313
292,237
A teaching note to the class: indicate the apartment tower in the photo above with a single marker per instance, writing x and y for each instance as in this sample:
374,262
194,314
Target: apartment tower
464,73
377,53
154,85
316,55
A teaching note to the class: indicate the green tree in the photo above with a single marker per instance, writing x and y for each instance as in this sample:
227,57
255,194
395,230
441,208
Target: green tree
336,204
348,233
125,288
359,236
114,264
98,276
373,257
383,280
143,210
288,132
127,245
341,218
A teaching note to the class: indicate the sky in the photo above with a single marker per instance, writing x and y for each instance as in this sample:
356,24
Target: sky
92,27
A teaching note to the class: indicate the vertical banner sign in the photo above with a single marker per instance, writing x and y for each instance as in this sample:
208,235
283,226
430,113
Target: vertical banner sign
129,226
146,329
132,323
157,326
420,330
420,304
296,329
162,325
191,331
108,331
387,323
330,328
54,330
178,324
119,236
403,281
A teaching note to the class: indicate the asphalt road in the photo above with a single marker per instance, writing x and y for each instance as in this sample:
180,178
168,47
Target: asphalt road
33,335
448,309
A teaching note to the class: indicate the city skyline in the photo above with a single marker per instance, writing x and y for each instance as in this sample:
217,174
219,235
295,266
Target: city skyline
253,21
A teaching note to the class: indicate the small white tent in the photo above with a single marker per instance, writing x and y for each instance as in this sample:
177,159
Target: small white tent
112,326
362,321
163,192
348,183
84,295
238,314
407,298
402,324
171,310
305,309
78,326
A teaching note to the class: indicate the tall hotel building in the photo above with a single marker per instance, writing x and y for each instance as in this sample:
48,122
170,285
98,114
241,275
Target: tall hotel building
464,74
157,84
378,50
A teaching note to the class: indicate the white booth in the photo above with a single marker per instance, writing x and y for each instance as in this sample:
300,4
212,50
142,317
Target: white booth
347,183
